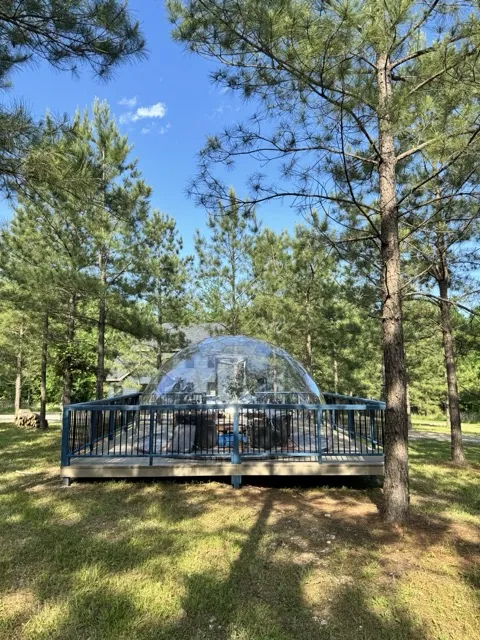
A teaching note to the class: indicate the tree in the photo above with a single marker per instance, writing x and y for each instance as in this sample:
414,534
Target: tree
116,208
69,249
28,263
445,254
12,346
166,278
99,34
305,300
351,90
224,264
56,210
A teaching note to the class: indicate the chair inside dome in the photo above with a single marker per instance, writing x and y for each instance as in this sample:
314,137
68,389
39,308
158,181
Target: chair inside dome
232,369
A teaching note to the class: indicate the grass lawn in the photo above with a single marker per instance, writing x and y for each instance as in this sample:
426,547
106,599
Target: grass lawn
167,561
422,423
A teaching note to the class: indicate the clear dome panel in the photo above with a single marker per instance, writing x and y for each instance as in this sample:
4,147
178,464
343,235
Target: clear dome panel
232,369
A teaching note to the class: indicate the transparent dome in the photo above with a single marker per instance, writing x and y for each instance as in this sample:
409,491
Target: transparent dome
232,369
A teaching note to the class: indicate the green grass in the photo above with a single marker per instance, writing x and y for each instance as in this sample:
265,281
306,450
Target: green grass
192,561
422,423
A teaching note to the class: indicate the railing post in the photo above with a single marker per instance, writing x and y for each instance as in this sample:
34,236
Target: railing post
236,459
333,421
111,419
318,419
150,436
65,460
372,429
351,422
93,426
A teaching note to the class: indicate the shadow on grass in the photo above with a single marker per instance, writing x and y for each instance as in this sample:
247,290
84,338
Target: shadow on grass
263,596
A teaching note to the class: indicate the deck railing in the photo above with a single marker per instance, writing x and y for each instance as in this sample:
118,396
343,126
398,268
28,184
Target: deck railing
120,427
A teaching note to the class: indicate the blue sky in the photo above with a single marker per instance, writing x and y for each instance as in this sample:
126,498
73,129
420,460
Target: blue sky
166,104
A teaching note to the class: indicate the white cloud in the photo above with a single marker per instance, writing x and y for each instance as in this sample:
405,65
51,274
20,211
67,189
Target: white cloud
128,102
157,110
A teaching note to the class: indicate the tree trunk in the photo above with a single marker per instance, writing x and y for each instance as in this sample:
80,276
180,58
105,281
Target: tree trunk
160,337
234,322
335,371
67,363
396,485
43,375
453,403
447,406
409,409
100,378
159,353
18,373
100,350
309,352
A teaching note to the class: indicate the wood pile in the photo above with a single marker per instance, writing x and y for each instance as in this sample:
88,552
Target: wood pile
29,420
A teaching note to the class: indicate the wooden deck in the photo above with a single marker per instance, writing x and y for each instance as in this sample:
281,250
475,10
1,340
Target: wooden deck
139,467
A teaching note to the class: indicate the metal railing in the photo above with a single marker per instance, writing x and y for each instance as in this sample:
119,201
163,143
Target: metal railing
120,427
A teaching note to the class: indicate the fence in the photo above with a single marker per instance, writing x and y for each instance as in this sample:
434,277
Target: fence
122,428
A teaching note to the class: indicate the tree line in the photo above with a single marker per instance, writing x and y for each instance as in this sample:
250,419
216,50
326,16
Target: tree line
92,274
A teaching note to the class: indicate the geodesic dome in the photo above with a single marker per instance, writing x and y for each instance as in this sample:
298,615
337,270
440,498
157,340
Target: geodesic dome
231,369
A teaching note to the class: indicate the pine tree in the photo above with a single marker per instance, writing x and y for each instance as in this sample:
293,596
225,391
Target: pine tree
57,210
305,301
28,262
445,256
166,279
223,261
116,210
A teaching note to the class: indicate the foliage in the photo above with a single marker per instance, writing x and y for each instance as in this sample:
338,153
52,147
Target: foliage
165,280
223,264
305,302
99,34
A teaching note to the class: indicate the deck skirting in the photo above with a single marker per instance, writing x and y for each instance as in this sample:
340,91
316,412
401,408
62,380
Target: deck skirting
165,468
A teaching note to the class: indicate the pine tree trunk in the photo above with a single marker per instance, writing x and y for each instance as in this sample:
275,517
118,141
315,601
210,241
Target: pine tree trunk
100,350
100,378
159,353
335,372
234,321
396,484
18,374
309,352
409,409
453,402
160,338
43,375
447,407
67,364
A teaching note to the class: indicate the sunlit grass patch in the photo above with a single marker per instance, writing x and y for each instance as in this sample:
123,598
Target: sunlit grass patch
424,423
